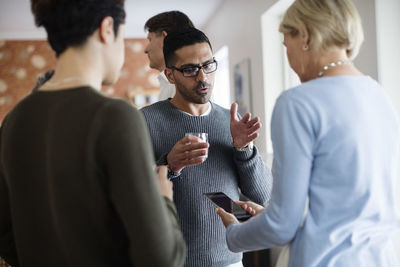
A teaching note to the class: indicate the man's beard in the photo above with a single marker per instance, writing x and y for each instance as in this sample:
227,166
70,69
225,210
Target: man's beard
193,96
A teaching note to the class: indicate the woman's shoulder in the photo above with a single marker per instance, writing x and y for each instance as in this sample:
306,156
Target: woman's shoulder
325,86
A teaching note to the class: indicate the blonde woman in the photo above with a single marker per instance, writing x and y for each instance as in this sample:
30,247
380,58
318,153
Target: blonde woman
335,139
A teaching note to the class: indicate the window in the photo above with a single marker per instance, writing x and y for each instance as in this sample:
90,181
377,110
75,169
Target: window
278,76
221,92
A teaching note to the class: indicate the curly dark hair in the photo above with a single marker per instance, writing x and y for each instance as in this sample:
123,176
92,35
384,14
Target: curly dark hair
71,22
178,39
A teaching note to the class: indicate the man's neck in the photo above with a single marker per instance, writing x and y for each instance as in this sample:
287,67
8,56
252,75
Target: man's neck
161,67
191,108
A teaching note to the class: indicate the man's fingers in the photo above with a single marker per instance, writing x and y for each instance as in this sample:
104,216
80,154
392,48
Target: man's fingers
189,155
195,161
188,151
234,108
192,157
252,137
253,121
190,139
194,146
254,128
196,153
246,118
185,146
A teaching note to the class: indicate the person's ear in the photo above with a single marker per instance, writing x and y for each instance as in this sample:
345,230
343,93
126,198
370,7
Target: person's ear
304,34
168,74
106,30
163,34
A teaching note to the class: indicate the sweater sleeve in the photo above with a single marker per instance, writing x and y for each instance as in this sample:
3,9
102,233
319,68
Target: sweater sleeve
150,220
293,138
7,244
255,179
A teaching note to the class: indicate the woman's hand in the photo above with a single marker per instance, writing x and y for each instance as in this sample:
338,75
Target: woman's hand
164,183
226,217
251,207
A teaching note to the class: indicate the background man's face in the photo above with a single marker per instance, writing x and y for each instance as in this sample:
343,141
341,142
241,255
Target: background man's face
154,50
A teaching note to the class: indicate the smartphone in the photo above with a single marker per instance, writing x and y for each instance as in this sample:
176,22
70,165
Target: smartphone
223,201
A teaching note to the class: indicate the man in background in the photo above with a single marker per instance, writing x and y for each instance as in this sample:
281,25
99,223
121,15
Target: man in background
158,27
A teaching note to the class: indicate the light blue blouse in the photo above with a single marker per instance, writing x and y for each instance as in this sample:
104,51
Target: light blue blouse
336,142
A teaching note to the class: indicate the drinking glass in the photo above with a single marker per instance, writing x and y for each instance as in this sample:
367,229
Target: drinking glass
202,136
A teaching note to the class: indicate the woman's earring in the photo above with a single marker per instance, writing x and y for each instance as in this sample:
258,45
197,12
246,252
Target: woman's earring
305,47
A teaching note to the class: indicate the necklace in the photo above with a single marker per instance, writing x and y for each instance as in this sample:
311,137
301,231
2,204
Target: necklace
332,65
66,80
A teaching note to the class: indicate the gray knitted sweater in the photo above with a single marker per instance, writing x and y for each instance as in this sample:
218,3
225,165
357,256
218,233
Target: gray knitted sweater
225,170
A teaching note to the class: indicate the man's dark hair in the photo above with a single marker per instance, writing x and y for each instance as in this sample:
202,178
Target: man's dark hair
178,39
71,22
168,21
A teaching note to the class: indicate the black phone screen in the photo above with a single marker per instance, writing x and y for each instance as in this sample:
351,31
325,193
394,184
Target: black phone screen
223,201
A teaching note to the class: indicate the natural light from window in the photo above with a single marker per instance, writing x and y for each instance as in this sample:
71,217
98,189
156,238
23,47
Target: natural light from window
221,91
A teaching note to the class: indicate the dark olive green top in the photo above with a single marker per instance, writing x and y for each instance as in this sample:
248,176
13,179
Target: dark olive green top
78,187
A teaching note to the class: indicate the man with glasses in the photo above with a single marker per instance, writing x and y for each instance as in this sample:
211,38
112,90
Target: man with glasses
232,162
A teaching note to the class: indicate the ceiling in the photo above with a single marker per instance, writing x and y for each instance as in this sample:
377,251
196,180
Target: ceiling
16,20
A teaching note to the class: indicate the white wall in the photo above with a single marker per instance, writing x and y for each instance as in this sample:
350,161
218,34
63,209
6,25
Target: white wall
388,33
275,75
238,25
366,61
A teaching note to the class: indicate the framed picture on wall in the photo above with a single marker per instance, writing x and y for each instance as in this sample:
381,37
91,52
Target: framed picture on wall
242,86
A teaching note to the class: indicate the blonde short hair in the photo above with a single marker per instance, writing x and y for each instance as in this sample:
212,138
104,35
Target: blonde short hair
329,23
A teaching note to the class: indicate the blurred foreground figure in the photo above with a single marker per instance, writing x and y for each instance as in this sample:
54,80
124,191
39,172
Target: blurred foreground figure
77,179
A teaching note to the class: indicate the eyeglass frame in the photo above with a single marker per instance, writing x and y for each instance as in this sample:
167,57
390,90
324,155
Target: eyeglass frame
200,67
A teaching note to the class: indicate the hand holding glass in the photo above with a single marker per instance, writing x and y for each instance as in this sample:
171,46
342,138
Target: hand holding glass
202,136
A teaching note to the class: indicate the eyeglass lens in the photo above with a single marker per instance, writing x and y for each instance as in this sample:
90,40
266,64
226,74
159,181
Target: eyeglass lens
194,71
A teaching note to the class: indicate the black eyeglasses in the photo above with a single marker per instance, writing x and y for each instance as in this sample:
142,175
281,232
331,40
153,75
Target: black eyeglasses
193,71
